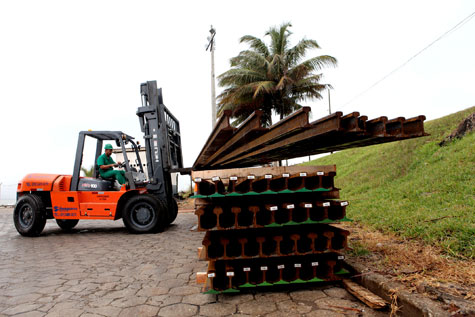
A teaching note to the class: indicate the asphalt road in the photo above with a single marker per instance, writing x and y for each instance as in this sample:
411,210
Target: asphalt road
100,269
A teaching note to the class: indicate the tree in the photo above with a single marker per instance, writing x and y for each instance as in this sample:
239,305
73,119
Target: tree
88,172
272,78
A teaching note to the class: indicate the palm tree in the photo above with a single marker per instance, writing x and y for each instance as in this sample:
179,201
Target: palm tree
272,77
88,172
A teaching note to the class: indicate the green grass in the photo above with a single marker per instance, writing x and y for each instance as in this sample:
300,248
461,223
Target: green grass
414,187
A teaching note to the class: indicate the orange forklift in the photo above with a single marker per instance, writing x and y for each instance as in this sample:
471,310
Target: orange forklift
145,203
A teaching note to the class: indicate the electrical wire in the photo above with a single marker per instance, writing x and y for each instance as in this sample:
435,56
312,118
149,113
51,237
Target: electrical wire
451,30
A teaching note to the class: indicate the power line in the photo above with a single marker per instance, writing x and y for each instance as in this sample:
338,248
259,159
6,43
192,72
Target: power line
453,29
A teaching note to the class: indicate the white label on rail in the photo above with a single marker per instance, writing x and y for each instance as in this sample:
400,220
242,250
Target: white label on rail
341,257
229,273
314,263
268,176
263,268
285,175
246,269
251,177
211,274
280,267
308,206
344,203
290,206
297,265
274,208
215,179
303,174
326,204
320,173
233,178
197,179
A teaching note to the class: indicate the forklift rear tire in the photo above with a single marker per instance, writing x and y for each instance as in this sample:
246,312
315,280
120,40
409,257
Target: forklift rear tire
67,224
29,215
143,214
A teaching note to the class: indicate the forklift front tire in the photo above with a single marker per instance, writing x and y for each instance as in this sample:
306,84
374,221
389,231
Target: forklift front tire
29,215
172,211
143,214
67,224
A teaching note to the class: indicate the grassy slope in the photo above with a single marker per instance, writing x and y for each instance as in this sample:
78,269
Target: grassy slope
414,187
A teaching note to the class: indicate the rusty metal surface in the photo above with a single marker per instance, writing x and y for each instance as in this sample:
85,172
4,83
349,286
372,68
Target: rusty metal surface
220,134
228,275
269,212
265,184
270,226
295,137
285,128
272,242
226,174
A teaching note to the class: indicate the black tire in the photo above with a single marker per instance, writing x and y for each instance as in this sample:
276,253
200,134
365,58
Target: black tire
143,214
67,224
172,211
164,220
29,215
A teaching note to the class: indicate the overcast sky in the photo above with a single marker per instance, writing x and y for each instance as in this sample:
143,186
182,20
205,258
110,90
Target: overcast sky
67,66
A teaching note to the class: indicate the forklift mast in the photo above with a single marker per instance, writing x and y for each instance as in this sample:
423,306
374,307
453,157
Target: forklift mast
162,140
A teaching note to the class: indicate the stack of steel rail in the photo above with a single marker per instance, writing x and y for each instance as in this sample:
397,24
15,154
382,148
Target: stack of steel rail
270,226
251,143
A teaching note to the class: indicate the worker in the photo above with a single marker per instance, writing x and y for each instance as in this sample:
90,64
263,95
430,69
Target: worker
106,166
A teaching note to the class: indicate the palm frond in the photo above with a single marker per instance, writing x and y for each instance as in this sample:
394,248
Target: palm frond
294,54
255,43
319,62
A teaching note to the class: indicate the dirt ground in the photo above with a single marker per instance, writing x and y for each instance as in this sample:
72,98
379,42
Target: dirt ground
422,268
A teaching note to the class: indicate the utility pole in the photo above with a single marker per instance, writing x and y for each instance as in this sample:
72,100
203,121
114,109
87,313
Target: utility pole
210,46
329,107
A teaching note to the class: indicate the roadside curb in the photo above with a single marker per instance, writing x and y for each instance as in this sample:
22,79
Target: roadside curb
410,304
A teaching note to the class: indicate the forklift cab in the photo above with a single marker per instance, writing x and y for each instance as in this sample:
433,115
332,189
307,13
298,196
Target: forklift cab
134,177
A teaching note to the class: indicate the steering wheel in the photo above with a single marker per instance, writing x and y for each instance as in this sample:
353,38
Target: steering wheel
121,165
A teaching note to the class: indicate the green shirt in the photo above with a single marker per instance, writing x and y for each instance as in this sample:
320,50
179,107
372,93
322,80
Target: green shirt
104,160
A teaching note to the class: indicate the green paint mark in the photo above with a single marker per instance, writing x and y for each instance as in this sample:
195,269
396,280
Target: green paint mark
269,192
316,279
231,290
286,191
212,291
274,224
346,219
216,195
198,196
264,284
281,282
322,190
290,223
247,285
310,221
250,194
303,190
233,195
342,271
298,281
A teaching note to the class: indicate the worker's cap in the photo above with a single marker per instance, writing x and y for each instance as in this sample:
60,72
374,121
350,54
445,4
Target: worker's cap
108,147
